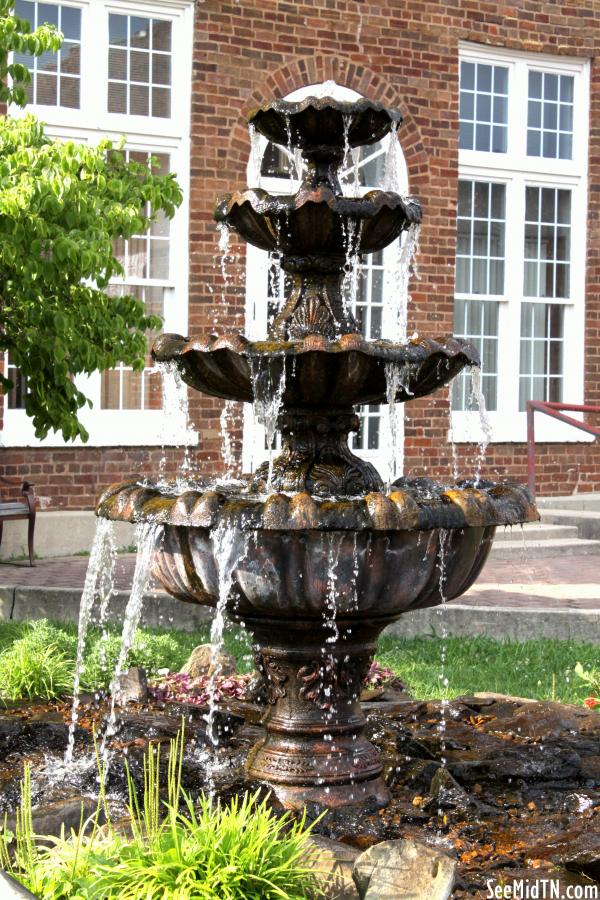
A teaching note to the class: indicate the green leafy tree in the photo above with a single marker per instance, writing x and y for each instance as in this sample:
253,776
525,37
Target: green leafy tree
62,206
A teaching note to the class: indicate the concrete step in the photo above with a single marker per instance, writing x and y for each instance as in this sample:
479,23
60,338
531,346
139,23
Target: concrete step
587,521
536,531
531,550
571,502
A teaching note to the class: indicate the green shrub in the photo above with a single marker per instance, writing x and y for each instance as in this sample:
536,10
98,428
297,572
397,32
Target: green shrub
37,664
175,851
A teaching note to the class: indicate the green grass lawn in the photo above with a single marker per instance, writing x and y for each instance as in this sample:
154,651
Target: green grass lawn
541,669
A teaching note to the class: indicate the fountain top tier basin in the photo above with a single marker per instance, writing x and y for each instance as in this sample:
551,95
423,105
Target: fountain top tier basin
417,504
321,126
315,371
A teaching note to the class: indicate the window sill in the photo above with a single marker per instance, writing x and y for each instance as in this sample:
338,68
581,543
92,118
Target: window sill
511,428
114,428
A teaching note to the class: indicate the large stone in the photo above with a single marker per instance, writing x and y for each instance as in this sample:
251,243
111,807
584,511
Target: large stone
12,890
332,863
202,662
49,818
399,870
132,686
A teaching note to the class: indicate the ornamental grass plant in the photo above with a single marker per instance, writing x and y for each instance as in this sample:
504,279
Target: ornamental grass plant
172,849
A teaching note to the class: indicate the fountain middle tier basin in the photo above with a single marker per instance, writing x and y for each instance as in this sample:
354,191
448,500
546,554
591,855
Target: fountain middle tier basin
318,222
315,371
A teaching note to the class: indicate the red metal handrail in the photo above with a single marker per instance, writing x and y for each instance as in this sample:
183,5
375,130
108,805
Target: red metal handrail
552,409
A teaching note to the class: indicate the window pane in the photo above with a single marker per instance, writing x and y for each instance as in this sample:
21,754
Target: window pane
117,97
117,64
69,92
46,90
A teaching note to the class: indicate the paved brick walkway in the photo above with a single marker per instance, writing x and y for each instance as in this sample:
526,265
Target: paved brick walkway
563,582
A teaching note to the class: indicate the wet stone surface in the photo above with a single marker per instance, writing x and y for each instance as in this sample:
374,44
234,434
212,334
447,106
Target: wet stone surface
504,786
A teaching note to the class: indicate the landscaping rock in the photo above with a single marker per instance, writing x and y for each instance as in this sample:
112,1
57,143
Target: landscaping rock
400,869
11,889
50,818
132,687
201,662
10,729
333,862
446,792
47,730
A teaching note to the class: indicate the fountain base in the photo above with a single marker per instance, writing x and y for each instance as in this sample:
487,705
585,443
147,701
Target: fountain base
314,749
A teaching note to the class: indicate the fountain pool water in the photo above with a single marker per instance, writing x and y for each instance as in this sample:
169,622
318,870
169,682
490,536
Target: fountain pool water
321,556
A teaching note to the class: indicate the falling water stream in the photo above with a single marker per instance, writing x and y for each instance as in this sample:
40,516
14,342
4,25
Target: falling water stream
224,244
229,547
397,276
477,399
269,388
226,422
175,429
148,538
444,546
98,583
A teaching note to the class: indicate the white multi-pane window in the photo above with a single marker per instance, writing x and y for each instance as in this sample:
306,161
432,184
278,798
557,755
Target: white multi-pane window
55,77
120,52
266,285
521,224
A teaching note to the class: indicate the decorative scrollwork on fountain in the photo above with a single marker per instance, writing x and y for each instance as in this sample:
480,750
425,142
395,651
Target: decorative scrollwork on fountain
330,679
315,457
274,676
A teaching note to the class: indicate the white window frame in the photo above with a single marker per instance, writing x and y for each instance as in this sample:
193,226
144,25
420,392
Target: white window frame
257,268
516,170
90,124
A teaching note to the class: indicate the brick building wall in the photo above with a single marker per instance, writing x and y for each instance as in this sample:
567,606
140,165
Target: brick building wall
406,55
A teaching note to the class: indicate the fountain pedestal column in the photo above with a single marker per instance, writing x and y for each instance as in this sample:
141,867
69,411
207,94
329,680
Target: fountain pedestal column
314,750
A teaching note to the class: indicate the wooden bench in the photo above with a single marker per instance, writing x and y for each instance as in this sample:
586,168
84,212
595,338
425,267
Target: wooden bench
21,508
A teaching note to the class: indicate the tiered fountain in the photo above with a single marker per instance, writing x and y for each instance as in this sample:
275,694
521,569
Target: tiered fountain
312,553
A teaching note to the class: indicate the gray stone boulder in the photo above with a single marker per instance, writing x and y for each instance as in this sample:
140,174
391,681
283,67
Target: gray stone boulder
332,863
11,889
404,870
132,687
201,662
